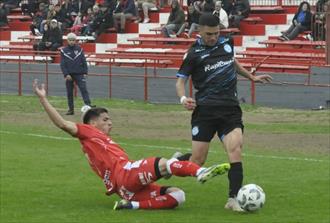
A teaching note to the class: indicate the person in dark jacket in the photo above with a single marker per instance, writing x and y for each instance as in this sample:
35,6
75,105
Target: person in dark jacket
240,10
52,37
300,23
3,15
74,68
176,21
125,10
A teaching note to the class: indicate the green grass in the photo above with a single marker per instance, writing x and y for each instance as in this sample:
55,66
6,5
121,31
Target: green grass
48,179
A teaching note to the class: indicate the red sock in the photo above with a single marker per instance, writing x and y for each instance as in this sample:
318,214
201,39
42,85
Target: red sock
183,168
160,202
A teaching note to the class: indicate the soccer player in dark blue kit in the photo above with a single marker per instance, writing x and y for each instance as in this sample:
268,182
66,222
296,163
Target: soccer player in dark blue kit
211,64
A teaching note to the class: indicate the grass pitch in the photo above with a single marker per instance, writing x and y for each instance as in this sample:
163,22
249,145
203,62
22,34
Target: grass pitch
46,178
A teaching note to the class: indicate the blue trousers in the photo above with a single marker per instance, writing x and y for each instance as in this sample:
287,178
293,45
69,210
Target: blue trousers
81,82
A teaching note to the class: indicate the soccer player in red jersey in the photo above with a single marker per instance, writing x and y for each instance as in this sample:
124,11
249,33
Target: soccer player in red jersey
132,180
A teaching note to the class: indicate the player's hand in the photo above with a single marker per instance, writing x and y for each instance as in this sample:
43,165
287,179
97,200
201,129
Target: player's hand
189,104
68,78
265,78
39,90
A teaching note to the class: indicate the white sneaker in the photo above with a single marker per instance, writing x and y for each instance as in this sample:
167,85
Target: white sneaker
232,204
146,20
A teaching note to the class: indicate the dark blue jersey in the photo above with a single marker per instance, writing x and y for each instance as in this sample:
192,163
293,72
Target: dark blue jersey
212,71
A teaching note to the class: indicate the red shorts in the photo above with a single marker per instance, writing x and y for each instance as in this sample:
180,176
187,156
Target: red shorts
135,180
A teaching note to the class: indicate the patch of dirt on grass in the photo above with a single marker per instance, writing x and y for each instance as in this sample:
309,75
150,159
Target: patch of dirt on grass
176,126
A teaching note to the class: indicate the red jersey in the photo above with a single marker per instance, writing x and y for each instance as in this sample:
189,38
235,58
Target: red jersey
105,156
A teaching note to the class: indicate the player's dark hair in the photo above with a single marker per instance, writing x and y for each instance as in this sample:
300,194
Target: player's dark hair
208,19
93,113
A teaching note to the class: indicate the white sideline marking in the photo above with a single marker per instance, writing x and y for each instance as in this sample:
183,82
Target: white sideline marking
169,147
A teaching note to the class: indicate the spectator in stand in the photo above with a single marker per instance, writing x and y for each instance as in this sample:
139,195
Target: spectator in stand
221,14
125,10
10,4
227,5
87,19
52,37
145,5
96,20
74,68
28,7
107,20
192,20
77,24
208,6
37,22
176,21
63,17
300,23
318,29
3,15
319,5
240,10
81,6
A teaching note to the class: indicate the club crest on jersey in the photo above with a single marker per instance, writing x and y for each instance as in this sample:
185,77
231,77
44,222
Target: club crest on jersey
195,130
227,48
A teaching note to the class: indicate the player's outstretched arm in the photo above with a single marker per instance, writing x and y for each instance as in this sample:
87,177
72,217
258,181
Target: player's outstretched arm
258,78
67,126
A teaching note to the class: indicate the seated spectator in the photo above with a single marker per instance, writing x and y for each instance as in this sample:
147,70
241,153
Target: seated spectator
318,29
96,20
300,23
3,15
63,17
51,39
10,4
81,6
124,10
145,5
77,24
227,6
208,6
192,21
176,21
28,7
106,20
221,14
240,10
86,20
37,22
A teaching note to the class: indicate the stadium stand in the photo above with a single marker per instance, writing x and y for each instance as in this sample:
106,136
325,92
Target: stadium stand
142,44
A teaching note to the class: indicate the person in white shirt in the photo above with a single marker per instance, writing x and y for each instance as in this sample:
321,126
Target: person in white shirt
221,13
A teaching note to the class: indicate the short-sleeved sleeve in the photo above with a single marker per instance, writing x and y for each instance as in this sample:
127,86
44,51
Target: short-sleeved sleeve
187,66
84,131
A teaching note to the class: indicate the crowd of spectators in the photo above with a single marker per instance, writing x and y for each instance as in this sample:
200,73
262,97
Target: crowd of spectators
93,17
229,12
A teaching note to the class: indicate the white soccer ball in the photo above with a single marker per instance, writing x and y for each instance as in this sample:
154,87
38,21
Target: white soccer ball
251,197
85,108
